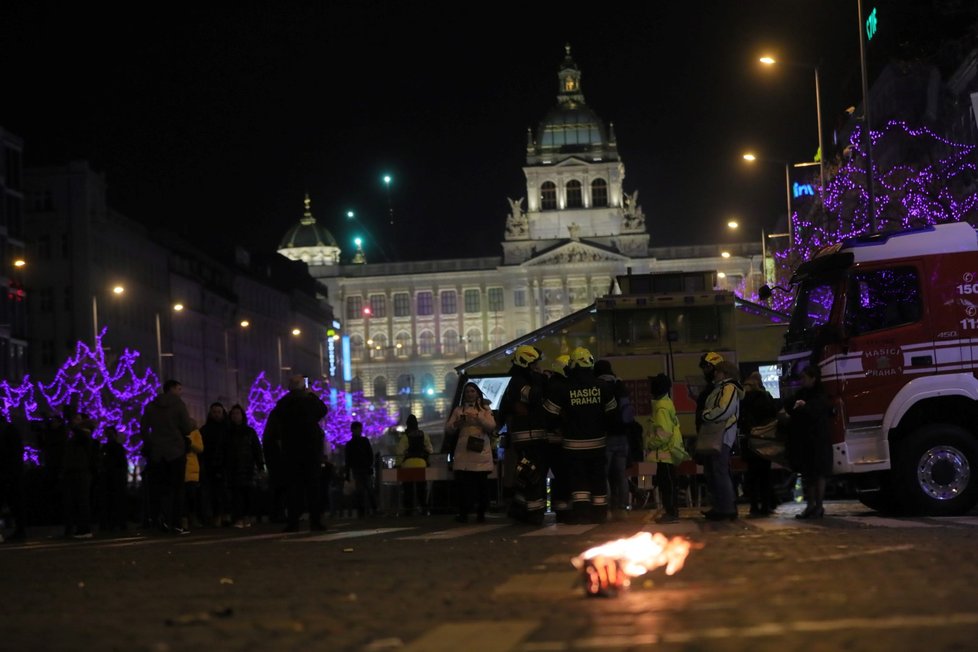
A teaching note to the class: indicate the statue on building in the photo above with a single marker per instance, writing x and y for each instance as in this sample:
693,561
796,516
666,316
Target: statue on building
634,216
574,231
517,224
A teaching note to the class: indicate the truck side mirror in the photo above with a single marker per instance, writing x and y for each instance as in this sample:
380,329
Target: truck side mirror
764,292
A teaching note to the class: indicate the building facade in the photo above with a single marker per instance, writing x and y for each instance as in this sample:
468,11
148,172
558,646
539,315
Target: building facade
573,230
213,324
13,307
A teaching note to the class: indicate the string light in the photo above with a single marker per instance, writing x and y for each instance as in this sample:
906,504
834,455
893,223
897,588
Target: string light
925,191
115,396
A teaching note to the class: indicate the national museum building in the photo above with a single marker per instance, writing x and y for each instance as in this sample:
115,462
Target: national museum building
409,324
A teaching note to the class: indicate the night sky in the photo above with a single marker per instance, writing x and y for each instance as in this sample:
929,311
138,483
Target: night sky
216,123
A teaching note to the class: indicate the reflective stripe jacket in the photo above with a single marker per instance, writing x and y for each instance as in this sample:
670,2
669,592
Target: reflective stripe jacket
522,407
723,406
583,408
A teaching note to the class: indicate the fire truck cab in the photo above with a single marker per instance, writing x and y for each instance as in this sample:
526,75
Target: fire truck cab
892,321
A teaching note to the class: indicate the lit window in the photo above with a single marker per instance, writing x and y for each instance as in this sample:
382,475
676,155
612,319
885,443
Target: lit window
354,307
496,300
472,301
449,302
378,305
599,193
426,343
425,307
519,298
402,304
574,199
548,196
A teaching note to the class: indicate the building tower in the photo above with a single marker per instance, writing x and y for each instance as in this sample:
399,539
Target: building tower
573,185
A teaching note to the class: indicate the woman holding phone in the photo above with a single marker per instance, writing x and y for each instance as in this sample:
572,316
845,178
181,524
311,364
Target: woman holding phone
473,423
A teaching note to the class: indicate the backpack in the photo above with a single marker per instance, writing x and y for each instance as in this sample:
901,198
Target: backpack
416,446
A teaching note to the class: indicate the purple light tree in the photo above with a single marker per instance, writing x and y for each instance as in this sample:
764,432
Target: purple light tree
923,179
344,409
115,395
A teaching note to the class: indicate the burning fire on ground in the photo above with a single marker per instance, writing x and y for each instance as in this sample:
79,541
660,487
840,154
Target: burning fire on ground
609,567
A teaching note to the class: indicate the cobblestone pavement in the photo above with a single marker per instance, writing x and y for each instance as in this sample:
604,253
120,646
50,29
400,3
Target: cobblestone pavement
853,581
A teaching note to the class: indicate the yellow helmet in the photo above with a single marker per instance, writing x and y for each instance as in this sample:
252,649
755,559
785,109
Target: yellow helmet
526,355
581,357
560,362
712,358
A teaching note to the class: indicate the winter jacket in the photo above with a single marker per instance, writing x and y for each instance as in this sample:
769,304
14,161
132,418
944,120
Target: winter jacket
664,441
295,421
164,428
522,407
584,409
192,474
413,449
359,454
471,421
723,406
81,455
242,455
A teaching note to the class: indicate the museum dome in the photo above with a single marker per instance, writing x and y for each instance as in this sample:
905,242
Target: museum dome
307,233
571,127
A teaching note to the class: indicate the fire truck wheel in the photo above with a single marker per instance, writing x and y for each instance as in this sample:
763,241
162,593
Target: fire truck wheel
936,471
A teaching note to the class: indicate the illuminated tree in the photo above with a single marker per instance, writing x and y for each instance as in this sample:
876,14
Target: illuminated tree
920,179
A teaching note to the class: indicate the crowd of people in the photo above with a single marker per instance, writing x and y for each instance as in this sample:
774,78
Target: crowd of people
569,433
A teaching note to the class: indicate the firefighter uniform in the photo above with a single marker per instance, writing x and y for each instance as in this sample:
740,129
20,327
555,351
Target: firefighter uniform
584,409
526,435
559,487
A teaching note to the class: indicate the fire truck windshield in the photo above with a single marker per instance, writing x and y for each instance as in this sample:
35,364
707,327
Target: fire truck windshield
813,308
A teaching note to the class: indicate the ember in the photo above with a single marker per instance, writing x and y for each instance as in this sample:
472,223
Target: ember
608,567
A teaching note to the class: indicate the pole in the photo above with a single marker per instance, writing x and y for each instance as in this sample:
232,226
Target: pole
322,369
278,342
94,320
787,189
159,347
866,135
821,149
227,365
763,257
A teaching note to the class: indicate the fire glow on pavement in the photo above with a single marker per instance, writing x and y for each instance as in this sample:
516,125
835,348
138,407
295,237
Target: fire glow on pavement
609,567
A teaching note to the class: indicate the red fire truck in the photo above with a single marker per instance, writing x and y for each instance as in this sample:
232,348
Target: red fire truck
892,321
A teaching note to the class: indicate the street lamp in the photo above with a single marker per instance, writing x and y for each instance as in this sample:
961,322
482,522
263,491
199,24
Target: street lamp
117,290
387,187
750,157
360,256
770,61
177,307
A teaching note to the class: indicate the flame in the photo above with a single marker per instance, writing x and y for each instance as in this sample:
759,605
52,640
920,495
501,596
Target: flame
640,553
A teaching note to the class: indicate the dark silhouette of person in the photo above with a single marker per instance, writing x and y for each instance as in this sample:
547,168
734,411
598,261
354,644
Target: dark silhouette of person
113,478
294,421
164,429
359,456
214,495
12,477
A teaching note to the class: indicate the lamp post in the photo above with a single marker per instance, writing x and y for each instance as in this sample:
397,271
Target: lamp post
177,307
750,157
117,290
866,135
770,61
387,188
360,257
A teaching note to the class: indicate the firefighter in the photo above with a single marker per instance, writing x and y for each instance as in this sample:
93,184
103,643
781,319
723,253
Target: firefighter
522,412
584,410
559,488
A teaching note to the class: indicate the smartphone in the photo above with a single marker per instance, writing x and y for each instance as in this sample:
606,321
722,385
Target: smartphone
306,381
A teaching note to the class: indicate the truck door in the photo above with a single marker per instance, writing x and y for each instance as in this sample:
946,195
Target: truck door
889,339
